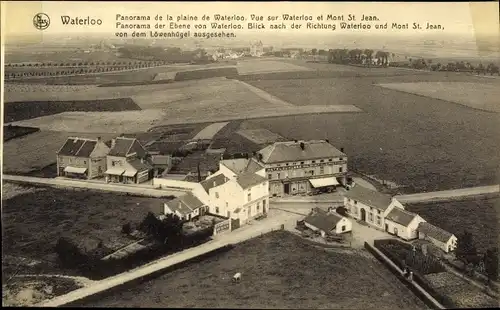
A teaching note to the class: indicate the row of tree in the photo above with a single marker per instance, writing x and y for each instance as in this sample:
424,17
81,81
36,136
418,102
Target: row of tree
467,252
86,63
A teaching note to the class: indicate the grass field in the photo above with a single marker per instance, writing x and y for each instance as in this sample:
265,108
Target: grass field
210,131
474,95
12,132
422,143
480,216
38,150
279,271
260,136
34,221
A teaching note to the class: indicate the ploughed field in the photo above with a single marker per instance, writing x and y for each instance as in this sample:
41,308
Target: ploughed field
480,216
418,142
279,270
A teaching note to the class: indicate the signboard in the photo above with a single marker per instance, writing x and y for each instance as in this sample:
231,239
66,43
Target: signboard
291,167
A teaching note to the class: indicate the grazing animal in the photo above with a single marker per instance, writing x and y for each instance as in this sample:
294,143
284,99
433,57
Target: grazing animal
237,277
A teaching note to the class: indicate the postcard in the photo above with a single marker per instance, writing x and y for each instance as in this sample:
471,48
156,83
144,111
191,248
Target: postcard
277,155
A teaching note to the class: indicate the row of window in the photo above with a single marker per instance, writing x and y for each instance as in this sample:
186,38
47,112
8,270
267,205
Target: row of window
313,162
217,210
306,173
370,216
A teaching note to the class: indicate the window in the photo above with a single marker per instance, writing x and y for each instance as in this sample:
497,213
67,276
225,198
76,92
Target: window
370,217
278,175
278,165
301,162
321,170
312,172
84,162
217,210
313,161
227,204
330,159
113,163
321,161
343,227
340,158
269,176
217,195
258,206
70,160
249,196
378,211
355,202
340,169
379,221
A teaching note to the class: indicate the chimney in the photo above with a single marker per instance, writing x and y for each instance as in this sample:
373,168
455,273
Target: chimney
113,143
296,141
302,145
98,139
327,141
215,184
342,149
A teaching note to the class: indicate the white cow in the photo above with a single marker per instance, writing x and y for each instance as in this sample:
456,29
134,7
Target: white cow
237,277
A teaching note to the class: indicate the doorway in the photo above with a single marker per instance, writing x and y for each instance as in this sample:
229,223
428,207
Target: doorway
386,227
287,188
363,215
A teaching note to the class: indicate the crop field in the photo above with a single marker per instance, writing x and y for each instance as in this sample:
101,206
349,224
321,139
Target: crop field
279,271
84,216
23,110
265,66
210,131
480,216
61,56
462,293
474,95
38,150
260,136
396,126
215,100
12,132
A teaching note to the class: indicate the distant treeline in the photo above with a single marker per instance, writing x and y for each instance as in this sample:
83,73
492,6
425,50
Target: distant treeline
169,55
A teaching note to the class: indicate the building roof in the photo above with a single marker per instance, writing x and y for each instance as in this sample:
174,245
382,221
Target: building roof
247,179
237,165
401,216
253,166
122,146
140,165
292,151
369,197
185,204
434,232
160,159
214,182
323,220
80,147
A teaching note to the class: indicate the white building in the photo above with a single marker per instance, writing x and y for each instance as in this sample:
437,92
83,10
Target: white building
327,222
444,240
186,207
237,193
402,223
367,205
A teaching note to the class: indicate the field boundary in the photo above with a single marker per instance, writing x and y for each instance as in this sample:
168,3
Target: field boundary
448,194
414,287
154,269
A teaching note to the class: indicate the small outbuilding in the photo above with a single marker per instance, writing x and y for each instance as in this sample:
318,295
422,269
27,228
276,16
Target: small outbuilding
442,239
327,222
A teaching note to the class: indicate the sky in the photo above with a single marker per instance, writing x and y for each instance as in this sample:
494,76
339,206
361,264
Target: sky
468,20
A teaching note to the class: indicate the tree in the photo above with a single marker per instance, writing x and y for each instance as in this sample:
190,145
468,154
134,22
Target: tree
491,264
466,251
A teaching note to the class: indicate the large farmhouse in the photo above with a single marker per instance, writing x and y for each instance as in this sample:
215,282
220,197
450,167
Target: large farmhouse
82,158
299,167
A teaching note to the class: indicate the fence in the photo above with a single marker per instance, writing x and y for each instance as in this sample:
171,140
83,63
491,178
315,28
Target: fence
416,288
174,184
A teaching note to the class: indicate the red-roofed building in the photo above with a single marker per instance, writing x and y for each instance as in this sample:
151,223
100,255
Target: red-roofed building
82,158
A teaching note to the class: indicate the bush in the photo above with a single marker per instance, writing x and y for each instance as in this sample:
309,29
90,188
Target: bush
127,228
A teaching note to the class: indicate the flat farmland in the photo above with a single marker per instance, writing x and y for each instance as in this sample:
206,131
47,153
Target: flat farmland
260,136
34,221
279,271
421,143
265,66
210,131
38,150
480,216
215,100
475,95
